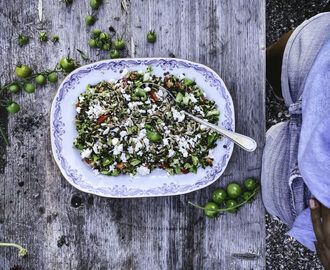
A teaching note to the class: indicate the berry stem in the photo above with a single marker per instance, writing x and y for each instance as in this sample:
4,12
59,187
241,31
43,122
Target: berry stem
230,208
22,251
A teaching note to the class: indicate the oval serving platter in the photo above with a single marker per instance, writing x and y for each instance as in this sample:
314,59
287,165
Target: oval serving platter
158,183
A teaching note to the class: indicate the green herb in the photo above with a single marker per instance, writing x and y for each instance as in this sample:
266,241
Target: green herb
22,251
83,55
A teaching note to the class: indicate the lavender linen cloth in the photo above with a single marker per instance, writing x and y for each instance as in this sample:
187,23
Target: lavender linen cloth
314,145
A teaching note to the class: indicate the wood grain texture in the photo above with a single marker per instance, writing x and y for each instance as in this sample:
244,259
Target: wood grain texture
148,233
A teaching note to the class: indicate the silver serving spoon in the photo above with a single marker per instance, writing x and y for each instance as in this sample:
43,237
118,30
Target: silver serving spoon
242,141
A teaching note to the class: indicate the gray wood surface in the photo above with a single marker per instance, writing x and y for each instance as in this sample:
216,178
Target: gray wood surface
149,233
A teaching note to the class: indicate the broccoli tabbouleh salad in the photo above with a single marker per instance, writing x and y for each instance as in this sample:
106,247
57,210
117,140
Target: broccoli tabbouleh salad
128,127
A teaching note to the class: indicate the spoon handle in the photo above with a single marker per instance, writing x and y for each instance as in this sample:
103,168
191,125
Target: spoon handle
243,141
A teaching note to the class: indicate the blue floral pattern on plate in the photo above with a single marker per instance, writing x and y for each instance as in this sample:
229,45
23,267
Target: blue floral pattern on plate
68,164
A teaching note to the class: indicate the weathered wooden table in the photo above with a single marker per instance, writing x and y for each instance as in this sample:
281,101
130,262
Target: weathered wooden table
38,206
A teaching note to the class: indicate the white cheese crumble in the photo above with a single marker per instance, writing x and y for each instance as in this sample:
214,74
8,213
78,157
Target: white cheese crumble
95,111
122,134
146,143
147,89
192,98
123,157
127,97
112,167
86,153
171,153
179,116
78,109
115,141
97,147
142,170
130,150
106,131
118,149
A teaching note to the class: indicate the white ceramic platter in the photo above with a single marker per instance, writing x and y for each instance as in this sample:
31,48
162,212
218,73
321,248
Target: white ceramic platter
158,183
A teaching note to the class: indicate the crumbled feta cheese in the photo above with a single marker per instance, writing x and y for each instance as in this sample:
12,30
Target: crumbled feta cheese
146,143
171,153
106,131
199,110
118,149
167,132
122,90
181,76
140,153
115,141
122,134
95,111
142,170
184,152
192,98
112,167
123,157
115,130
78,109
130,150
142,134
127,97
81,99
86,153
147,89
146,77
97,147
138,146
179,116
165,142
131,105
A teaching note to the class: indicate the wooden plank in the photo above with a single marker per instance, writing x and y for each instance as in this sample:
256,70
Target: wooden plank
152,233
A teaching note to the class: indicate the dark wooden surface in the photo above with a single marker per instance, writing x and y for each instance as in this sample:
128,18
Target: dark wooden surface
38,206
